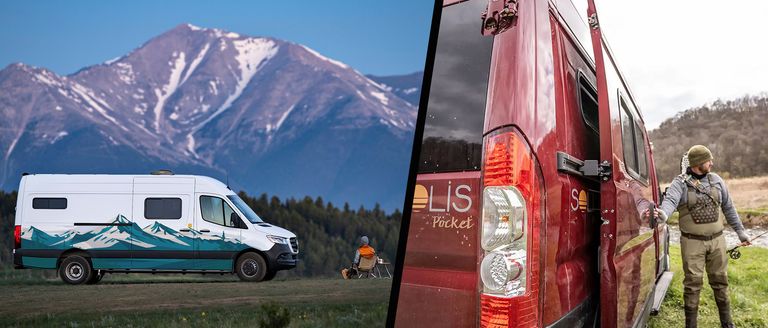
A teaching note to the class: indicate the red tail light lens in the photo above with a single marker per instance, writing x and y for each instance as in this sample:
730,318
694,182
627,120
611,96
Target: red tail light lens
509,270
17,237
503,312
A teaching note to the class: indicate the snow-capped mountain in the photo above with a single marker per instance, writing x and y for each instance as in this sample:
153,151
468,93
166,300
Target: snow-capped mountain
270,115
406,86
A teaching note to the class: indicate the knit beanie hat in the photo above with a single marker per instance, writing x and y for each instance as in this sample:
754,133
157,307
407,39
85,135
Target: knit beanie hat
364,240
698,155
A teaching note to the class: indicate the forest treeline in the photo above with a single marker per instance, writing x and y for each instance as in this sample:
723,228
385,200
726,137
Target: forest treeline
735,130
328,236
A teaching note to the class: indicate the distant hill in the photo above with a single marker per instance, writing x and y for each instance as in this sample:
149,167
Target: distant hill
735,130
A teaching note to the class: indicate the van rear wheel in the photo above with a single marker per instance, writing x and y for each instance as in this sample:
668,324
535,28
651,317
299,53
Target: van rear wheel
75,270
251,267
95,277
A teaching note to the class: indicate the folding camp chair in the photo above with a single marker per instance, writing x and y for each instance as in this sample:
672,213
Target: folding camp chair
366,267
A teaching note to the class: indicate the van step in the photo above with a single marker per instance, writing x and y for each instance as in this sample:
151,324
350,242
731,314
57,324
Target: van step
661,291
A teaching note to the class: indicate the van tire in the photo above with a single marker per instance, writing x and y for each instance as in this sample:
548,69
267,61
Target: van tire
270,275
75,270
251,267
95,277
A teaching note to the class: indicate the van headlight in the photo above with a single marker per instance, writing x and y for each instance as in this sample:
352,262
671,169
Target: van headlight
278,239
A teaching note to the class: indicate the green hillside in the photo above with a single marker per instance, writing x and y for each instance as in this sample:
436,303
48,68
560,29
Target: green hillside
735,130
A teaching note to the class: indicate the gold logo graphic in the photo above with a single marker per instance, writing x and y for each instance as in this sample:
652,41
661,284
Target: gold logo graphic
420,197
583,200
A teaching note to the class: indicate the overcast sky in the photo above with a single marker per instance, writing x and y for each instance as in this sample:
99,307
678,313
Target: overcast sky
685,53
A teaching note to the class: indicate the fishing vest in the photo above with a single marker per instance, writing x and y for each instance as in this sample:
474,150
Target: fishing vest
700,215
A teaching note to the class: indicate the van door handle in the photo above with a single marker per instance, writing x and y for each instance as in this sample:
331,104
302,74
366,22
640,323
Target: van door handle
183,230
205,230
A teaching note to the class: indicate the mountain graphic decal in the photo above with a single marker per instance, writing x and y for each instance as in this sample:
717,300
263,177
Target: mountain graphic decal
126,235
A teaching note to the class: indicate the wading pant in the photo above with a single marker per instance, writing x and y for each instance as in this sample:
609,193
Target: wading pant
709,255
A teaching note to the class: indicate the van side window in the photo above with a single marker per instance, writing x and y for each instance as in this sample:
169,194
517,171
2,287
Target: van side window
588,104
162,208
628,137
642,164
49,203
633,143
216,210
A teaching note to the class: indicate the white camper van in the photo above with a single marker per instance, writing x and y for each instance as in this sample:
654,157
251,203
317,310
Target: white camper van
88,225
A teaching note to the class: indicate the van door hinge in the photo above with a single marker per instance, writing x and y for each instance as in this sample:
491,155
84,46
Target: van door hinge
499,16
583,168
593,23
592,169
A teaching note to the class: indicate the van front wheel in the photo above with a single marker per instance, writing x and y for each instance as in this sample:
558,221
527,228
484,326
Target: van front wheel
75,270
251,267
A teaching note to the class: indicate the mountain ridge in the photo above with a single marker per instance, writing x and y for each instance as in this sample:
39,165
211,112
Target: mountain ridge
212,102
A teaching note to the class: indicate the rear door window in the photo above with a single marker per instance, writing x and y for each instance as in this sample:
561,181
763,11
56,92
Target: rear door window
453,130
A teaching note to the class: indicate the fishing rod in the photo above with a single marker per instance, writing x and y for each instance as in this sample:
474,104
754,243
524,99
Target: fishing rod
735,254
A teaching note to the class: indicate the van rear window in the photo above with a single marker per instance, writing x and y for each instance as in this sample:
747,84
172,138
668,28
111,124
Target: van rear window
456,109
49,203
162,208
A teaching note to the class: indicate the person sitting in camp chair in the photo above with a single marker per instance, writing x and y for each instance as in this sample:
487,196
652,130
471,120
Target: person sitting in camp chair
364,261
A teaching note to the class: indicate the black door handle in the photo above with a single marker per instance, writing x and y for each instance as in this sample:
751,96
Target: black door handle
205,230
183,230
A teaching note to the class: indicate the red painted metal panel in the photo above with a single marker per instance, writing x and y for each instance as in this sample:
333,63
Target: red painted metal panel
439,283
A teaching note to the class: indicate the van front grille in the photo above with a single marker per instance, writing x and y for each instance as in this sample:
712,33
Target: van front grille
294,245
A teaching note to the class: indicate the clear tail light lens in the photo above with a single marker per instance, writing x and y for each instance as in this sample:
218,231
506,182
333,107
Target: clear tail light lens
504,215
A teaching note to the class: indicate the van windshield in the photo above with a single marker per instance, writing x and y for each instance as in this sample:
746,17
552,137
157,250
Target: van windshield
245,209
453,131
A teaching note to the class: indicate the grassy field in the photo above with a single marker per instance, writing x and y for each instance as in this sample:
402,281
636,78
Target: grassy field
31,298
748,279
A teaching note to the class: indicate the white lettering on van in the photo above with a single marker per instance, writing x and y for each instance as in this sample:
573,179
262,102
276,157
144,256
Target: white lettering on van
431,196
452,223
464,197
574,199
449,203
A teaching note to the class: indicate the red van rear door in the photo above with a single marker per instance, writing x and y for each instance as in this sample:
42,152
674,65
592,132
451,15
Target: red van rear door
439,280
627,247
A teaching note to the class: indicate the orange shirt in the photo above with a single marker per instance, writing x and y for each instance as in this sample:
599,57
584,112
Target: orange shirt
366,251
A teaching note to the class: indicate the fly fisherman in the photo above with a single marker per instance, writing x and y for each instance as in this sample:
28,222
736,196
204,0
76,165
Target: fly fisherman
696,195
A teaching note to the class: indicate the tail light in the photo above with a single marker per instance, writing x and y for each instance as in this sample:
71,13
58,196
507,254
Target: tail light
509,235
17,237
